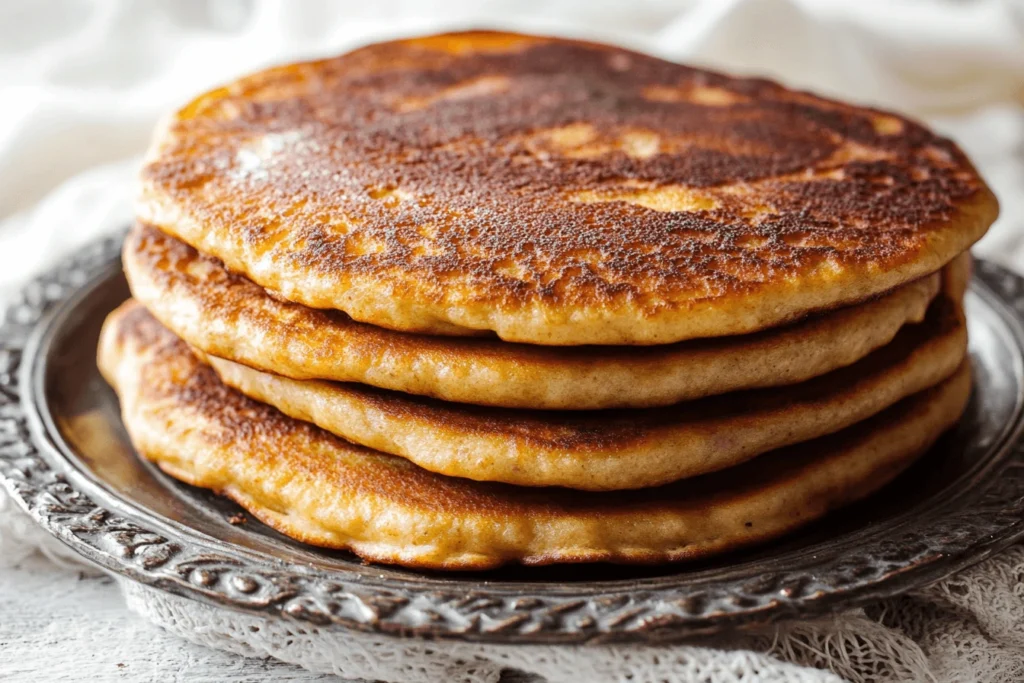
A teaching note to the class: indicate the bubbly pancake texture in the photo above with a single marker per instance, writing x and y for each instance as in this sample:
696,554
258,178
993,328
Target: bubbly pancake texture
226,315
612,450
321,490
556,192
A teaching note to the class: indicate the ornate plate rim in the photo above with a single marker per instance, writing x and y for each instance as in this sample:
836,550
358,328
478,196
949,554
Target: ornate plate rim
133,544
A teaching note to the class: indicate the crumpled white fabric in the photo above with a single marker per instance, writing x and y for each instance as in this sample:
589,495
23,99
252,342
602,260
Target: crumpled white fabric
83,82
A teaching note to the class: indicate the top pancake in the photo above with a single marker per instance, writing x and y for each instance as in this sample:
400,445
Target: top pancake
556,192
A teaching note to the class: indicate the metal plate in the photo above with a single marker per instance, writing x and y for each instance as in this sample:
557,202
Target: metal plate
65,458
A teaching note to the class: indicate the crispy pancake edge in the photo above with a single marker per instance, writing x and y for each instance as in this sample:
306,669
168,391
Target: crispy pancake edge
226,315
624,449
321,490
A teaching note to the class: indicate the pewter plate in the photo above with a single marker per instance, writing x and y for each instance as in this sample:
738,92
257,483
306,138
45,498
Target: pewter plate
65,458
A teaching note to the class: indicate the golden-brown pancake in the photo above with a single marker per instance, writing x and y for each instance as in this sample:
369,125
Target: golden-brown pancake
956,277
556,192
622,449
321,490
226,315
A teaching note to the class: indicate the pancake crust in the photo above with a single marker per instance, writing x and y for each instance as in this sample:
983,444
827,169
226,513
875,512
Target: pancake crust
556,192
612,450
226,315
321,490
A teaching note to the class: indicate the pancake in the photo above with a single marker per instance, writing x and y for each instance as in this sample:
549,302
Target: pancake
956,277
612,450
556,192
226,315
322,490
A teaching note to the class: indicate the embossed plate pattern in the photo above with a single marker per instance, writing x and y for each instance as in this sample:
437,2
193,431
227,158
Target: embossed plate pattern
65,458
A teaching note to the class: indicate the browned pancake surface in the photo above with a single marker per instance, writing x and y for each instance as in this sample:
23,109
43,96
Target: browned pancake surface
556,191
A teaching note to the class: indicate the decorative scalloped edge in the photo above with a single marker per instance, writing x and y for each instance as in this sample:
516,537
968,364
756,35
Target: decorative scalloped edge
659,611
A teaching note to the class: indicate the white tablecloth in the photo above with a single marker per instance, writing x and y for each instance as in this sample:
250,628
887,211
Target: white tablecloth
82,84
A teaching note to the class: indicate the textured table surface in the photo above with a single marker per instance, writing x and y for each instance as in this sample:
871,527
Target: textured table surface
62,624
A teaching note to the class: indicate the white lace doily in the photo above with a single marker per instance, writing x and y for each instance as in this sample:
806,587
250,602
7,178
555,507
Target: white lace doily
969,628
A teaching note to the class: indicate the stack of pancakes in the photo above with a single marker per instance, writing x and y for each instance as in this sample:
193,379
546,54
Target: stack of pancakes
476,298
